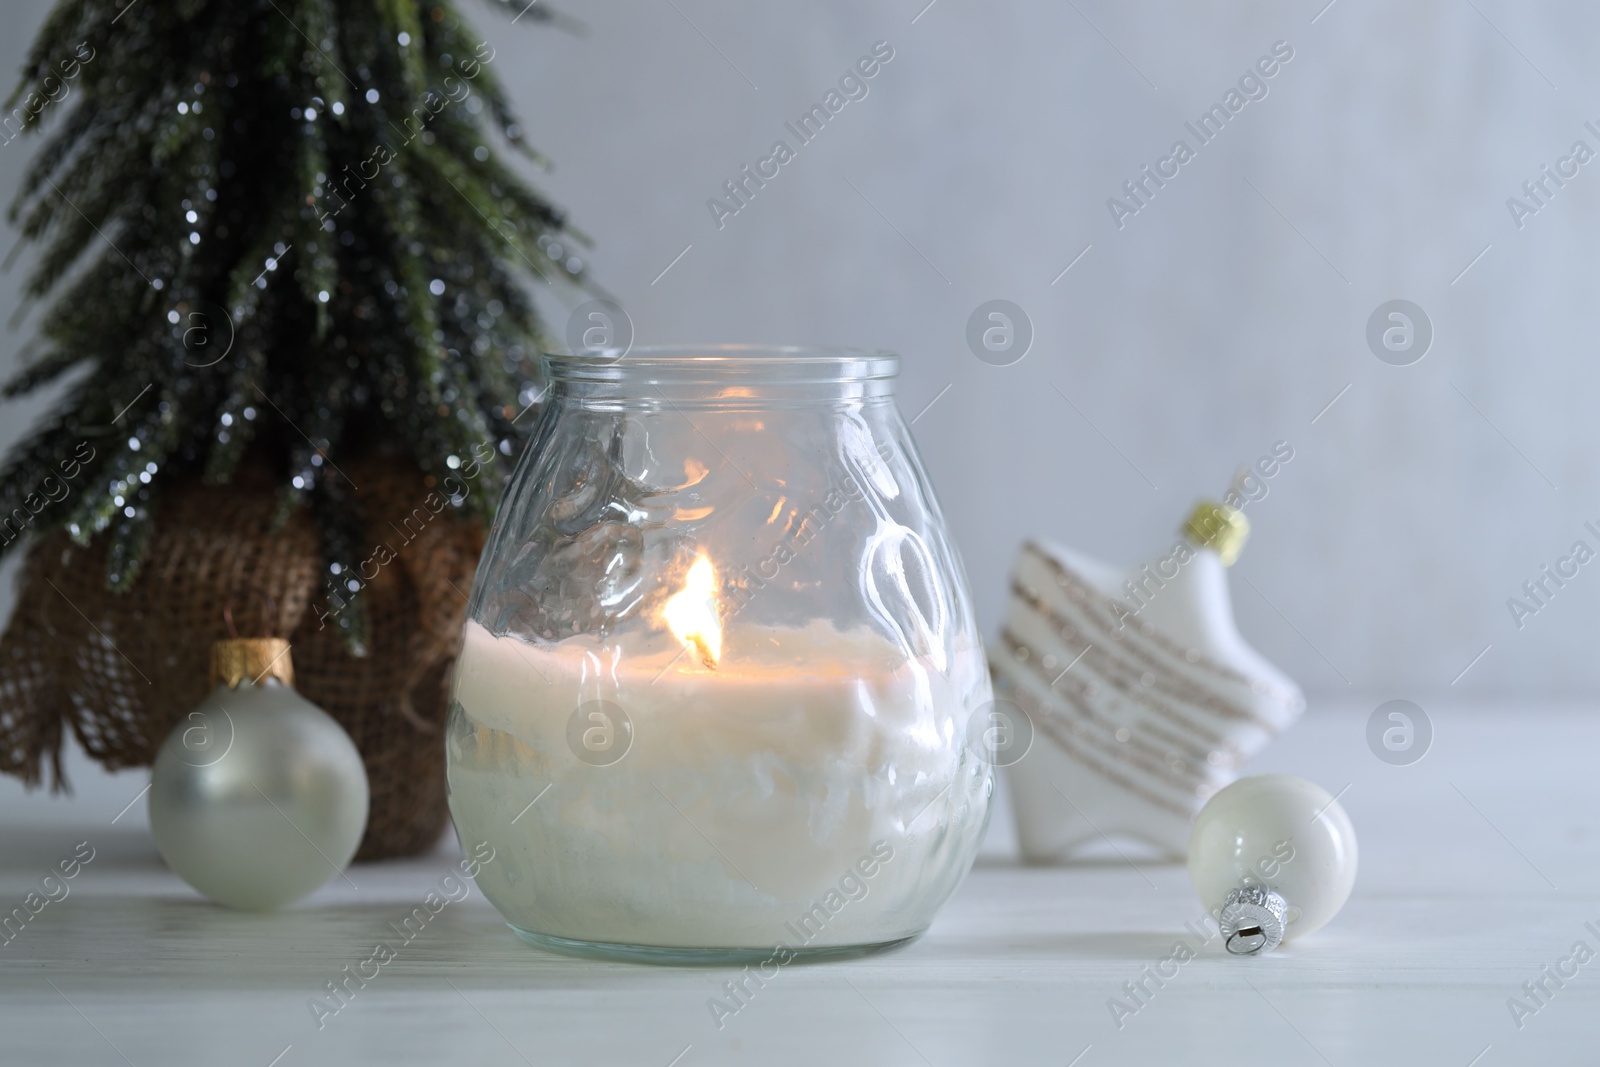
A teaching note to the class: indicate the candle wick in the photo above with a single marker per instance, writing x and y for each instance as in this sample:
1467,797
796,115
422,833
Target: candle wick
705,652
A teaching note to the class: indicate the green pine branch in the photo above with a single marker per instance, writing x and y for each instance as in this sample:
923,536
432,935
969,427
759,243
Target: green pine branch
274,230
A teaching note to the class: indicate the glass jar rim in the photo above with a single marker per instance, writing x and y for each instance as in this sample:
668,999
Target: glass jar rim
709,363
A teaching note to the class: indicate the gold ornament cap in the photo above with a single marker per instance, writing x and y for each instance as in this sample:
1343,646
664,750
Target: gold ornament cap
1218,527
251,659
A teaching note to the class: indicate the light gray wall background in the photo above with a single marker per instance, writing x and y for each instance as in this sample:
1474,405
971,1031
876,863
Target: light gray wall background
1223,318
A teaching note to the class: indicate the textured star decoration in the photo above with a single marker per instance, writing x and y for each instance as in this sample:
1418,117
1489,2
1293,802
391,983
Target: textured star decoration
1143,697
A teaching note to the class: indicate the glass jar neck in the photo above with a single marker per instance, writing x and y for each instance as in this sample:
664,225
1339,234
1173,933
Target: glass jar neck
724,376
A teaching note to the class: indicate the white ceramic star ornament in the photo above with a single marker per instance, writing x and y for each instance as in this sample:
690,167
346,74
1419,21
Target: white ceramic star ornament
1142,695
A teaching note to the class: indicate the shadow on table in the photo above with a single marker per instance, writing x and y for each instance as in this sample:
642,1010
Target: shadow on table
1131,945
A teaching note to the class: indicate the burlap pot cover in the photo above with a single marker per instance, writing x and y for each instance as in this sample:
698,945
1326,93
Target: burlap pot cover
122,669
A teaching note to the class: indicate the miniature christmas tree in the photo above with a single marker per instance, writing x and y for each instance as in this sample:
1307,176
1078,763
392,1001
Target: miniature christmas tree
276,231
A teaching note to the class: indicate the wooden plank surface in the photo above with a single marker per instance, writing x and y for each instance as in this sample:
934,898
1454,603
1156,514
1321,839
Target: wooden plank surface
1480,865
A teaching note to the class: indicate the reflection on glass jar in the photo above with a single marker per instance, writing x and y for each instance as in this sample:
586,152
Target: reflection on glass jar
720,666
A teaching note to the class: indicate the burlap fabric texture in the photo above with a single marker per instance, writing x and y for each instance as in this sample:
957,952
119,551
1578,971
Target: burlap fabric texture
120,670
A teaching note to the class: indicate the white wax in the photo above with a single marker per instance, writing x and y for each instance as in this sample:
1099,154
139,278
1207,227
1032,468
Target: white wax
749,793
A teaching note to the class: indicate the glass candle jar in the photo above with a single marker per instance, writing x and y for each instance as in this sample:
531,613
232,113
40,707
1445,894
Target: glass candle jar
721,690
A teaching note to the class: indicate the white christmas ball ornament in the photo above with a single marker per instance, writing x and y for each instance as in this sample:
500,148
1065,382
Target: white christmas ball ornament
1273,857
258,796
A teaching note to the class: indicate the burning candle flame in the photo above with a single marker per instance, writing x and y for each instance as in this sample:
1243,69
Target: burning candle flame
691,613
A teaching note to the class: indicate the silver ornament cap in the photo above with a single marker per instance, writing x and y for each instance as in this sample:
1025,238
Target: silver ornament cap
1252,920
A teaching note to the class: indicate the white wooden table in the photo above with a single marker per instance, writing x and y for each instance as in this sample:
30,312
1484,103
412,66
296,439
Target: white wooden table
1479,866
